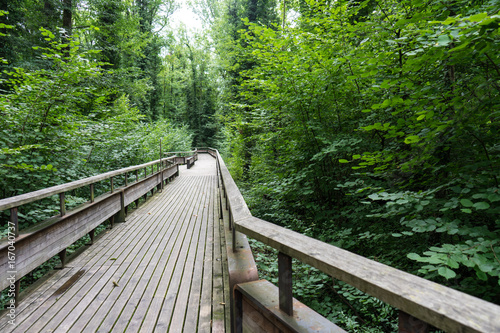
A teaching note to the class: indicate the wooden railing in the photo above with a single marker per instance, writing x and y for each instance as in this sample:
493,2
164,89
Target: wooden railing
24,250
419,301
181,157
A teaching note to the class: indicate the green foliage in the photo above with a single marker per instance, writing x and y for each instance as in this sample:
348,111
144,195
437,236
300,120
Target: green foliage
59,125
370,125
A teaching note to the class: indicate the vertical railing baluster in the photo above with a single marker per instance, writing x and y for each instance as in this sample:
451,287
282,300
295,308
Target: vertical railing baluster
112,185
285,283
136,176
14,220
126,178
92,193
62,203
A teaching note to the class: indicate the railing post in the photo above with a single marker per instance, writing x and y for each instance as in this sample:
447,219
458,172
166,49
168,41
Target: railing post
92,236
62,256
14,220
120,216
238,311
92,193
410,324
285,283
62,203
126,179
136,176
17,291
112,185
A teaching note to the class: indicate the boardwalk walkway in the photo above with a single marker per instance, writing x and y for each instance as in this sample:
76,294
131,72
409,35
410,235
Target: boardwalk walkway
162,270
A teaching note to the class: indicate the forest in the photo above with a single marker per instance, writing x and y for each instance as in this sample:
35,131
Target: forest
370,125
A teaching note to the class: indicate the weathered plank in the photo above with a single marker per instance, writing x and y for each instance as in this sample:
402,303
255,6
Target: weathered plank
159,255
37,245
433,303
262,312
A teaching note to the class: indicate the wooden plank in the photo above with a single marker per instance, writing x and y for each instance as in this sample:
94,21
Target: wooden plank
38,245
35,298
179,315
218,306
93,303
205,315
93,276
147,311
191,322
285,283
170,295
123,308
264,299
136,217
126,277
225,271
433,303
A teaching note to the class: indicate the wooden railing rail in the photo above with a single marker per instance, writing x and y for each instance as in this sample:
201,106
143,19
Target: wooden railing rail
22,251
26,198
420,301
181,157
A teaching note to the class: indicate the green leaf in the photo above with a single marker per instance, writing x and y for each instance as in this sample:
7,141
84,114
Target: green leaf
343,161
446,272
414,256
466,203
481,205
443,40
481,275
412,139
477,18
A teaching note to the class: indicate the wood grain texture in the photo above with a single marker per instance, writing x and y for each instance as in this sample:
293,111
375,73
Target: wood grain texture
433,303
148,274
261,312
38,244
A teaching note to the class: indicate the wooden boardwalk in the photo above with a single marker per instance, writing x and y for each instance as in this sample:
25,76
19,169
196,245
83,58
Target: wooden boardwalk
164,269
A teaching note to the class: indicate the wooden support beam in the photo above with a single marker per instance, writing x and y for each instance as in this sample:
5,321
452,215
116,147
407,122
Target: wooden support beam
17,291
285,283
238,311
62,257
120,216
112,185
92,196
92,236
14,220
62,204
126,179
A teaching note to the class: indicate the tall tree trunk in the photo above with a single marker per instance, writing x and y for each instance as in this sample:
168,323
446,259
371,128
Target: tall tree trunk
67,19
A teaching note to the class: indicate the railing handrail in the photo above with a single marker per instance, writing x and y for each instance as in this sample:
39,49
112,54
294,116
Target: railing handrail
26,198
423,299
180,152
